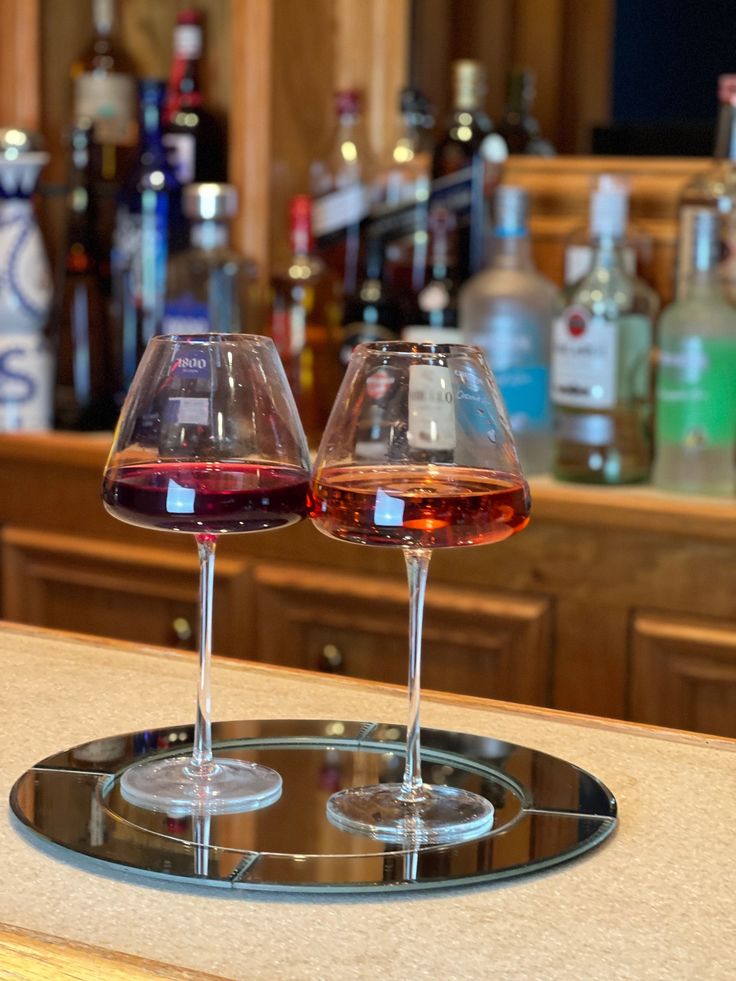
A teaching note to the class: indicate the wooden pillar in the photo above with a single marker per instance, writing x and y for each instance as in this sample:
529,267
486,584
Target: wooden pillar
19,64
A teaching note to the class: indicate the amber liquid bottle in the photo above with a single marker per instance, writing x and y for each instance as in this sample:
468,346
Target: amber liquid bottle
305,317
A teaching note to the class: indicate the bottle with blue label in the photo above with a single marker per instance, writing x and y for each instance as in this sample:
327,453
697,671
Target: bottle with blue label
507,310
26,290
695,435
149,226
209,286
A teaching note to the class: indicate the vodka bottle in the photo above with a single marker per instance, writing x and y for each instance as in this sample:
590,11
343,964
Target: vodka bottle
717,188
507,310
601,382
696,372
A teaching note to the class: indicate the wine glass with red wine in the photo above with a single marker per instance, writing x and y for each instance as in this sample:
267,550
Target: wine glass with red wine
208,443
417,454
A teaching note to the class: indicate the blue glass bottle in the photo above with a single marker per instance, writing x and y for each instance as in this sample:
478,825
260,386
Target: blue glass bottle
149,225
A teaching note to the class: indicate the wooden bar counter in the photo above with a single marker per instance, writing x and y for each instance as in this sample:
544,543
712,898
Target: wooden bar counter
654,901
619,602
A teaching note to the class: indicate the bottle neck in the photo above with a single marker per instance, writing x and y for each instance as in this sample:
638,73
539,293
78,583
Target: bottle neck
103,14
184,83
209,234
725,146
300,236
608,252
512,252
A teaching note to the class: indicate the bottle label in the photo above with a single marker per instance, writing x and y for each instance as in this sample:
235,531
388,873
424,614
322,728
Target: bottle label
110,102
185,317
182,155
340,209
579,256
584,360
696,393
25,382
525,391
431,408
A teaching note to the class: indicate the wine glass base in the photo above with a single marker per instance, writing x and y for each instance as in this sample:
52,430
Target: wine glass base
437,814
174,785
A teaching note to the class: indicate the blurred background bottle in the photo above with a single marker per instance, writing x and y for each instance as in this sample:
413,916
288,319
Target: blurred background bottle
105,103
371,312
342,191
84,389
209,286
696,371
26,290
148,220
305,317
508,311
518,126
466,166
430,313
601,379
193,135
717,188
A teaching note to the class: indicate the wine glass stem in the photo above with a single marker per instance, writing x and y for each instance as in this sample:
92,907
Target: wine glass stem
417,567
202,749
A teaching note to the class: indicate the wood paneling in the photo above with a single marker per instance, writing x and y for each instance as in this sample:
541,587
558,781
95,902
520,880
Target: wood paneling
683,672
19,82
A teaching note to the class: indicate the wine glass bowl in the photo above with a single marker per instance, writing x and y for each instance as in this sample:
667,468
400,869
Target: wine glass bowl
208,443
417,454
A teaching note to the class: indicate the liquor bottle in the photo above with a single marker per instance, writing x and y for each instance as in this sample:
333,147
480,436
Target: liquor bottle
340,185
717,188
84,394
209,286
430,315
410,158
104,94
601,378
508,310
148,218
371,313
466,166
695,435
518,126
25,289
305,317
193,135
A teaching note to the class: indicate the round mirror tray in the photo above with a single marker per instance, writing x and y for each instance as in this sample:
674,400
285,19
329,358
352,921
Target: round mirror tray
547,811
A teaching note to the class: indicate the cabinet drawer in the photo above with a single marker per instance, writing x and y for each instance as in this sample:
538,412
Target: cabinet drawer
683,673
475,643
129,592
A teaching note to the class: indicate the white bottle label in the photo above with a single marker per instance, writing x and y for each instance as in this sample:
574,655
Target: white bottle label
340,209
584,360
110,102
182,154
25,382
431,408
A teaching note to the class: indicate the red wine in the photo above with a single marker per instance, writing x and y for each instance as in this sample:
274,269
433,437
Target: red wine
419,507
206,498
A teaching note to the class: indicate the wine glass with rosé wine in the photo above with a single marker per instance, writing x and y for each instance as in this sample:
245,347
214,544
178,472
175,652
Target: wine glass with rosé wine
208,443
417,454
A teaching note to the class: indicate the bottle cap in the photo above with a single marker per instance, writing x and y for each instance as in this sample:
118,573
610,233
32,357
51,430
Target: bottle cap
469,83
210,202
699,238
188,34
510,209
609,206
727,89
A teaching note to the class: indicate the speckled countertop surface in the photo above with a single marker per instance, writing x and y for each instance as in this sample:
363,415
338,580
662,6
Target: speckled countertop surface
655,901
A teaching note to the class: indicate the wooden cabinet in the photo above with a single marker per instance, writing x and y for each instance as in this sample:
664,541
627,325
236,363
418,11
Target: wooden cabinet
614,602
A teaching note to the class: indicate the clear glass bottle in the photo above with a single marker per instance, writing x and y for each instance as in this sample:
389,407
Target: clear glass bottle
508,310
340,184
716,188
466,166
84,397
518,126
601,378
695,435
209,286
305,319
193,134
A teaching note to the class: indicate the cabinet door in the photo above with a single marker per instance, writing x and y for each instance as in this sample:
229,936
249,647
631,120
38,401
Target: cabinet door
683,673
474,643
128,592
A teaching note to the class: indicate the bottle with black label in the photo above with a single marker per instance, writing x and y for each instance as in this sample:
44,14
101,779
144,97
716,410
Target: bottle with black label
370,313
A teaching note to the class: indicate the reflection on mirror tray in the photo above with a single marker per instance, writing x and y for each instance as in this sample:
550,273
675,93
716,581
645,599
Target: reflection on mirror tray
547,811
